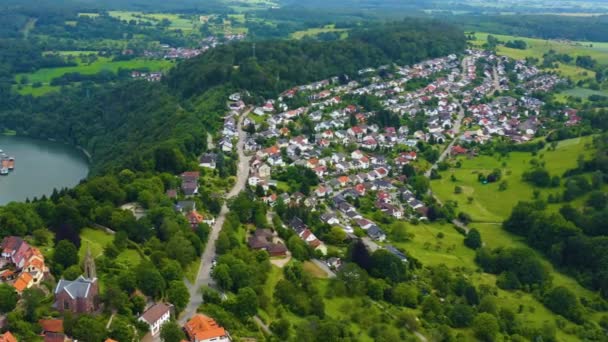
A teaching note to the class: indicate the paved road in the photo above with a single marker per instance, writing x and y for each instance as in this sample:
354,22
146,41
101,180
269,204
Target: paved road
495,79
447,150
456,130
204,271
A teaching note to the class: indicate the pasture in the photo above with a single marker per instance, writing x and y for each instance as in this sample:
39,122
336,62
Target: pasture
489,204
46,75
537,47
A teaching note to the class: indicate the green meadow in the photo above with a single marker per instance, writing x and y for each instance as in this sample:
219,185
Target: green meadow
489,204
316,31
46,75
97,240
176,21
582,92
537,47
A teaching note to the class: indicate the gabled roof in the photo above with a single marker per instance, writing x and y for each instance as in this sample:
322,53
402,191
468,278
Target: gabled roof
7,337
51,325
155,312
202,327
23,281
78,288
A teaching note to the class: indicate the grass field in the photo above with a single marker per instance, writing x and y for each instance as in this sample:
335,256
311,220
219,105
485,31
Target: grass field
315,31
433,250
97,240
177,22
46,75
538,47
314,270
583,92
491,205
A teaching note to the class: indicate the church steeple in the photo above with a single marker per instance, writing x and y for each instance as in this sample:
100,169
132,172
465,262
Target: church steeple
89,265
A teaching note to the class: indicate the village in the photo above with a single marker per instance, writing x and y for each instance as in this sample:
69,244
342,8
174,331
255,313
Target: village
360,153
355,156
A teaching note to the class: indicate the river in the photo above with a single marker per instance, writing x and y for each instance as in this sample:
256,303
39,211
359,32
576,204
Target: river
40,167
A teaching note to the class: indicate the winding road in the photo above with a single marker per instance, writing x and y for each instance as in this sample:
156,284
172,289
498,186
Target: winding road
203,277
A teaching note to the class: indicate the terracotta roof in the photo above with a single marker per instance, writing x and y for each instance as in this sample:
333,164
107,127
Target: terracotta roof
51,325
54,337
23,281
202,327
8,337
110,340
155,312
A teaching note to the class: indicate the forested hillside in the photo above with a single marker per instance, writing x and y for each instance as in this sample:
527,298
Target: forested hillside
277,65
539,26
126,124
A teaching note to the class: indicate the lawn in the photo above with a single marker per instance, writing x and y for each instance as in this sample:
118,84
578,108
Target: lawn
314,270
97,240
431,249
316,31
491,205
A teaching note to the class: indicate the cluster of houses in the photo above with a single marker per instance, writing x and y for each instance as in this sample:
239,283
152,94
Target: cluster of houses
456,93
81,296
21,264
167,52
147,76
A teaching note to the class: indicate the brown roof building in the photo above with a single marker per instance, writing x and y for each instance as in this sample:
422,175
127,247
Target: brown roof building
156,315
262,239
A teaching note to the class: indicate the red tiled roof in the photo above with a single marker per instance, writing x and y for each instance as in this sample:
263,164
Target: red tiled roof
202,327
8,337
51,325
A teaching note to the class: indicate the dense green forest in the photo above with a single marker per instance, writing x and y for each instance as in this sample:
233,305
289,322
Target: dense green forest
273,68
593,29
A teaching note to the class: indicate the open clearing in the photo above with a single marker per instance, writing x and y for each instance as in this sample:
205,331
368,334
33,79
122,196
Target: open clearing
316,31
537,47
97,240
177,22
46,75
583,92
491,205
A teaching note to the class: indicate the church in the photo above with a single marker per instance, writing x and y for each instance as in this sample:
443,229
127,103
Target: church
80,295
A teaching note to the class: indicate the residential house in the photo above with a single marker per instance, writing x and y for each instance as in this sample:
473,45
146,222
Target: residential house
208,160
155,316
52,330
7,337
190,182
396,252
376,233
201,328
263,239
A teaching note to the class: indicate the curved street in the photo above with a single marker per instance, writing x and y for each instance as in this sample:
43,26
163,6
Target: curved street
203,277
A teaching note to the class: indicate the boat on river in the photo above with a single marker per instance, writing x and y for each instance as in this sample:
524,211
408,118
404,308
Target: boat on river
7,164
